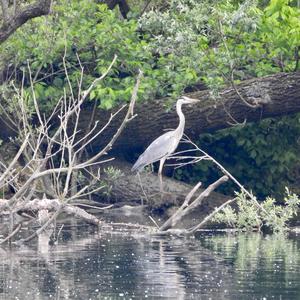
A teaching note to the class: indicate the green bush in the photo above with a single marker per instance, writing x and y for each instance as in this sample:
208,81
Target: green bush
260,156
213,39
177,46
248,216
94,34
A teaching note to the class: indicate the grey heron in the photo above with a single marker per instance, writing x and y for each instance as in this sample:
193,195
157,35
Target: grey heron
162,147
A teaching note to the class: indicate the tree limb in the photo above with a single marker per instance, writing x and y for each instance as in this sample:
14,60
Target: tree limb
186,208
209,217
30,11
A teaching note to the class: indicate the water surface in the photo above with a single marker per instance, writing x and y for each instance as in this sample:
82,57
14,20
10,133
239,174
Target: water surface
86,264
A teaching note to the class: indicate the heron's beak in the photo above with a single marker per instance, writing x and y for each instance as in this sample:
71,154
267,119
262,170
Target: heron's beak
194,100
190,100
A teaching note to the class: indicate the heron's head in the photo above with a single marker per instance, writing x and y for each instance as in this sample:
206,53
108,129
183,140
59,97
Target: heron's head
187,100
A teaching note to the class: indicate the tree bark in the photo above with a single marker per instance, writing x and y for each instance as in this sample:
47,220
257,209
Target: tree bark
12,23
274,95
123,6
39,8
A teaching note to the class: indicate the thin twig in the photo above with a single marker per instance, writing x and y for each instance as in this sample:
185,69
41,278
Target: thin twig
129,116
143,190
145,7
154,222
231,65
17,229
14,161
92,206
209,217
224,171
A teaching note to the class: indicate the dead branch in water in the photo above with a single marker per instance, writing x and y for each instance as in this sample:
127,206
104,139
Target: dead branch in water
210,216
189,205
183,158
53,156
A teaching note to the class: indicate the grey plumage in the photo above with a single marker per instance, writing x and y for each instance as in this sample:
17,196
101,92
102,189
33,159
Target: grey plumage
158,149
162,147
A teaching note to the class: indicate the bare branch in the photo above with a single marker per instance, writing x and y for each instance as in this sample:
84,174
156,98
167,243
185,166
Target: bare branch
13,233
4,6
87,92
186,208
129,115
14,161
231,66
209,217
61,155
37,110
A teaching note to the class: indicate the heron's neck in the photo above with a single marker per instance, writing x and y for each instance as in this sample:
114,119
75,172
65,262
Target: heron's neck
180,127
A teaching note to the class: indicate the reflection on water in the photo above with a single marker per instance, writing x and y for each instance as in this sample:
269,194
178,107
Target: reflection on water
90,265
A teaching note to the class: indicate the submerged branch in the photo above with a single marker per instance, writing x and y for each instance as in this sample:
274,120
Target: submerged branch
210,216
186,208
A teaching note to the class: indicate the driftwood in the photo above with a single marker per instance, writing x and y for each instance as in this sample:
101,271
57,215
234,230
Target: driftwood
47,211
189,204
210,216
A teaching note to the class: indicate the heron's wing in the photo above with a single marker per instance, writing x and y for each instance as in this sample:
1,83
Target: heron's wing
159,148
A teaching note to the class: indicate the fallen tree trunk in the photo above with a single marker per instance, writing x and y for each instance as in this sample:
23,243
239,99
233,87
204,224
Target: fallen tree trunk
270,96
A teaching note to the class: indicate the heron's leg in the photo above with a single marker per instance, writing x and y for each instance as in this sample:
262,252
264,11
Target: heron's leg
141,184
161,164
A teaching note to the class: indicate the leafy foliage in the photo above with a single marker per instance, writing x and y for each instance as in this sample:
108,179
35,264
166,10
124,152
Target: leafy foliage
249,216
90,32
175,47
178,45
259,155
223,39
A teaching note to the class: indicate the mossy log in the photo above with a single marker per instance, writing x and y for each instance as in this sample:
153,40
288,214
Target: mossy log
129,188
